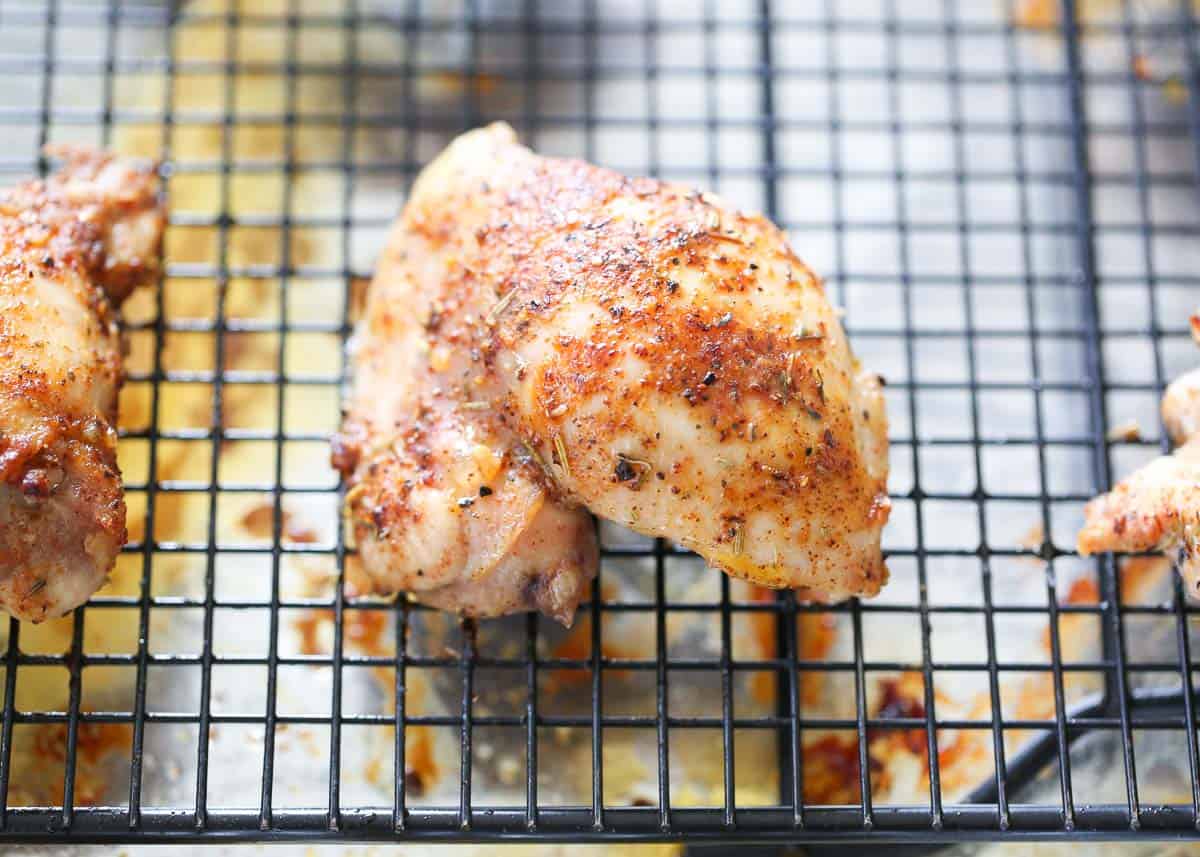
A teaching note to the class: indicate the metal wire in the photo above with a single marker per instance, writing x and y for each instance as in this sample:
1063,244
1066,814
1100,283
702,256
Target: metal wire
1069,129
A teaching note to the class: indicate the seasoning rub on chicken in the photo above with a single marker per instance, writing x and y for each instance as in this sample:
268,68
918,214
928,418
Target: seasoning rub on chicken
1157,508
71,248
545,336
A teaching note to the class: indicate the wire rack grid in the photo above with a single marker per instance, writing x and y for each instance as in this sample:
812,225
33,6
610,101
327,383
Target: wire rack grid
1008,215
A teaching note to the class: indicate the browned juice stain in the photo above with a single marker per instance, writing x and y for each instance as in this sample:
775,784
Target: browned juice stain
260,521
420,765
816,633
46,745
1036,14
362,630
1044,14
577,646
832,766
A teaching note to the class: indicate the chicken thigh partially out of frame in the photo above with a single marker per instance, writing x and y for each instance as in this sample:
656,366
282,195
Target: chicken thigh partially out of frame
1157,508
71,248
545,337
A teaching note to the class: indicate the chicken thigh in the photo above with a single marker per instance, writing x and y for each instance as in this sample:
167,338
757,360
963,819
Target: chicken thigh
624,345
1157,508
1181,407
71,248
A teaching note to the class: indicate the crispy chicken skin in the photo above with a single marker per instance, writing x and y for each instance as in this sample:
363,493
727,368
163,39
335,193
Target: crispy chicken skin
644,352
1157,508
71,248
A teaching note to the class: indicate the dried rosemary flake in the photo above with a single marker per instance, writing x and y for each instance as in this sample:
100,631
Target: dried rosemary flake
785,378
560,449
475,406
533,453
353,495
739,539
631,470
500,306
38,586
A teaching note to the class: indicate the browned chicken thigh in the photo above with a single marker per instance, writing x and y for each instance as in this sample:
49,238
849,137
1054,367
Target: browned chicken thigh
570,338
71,248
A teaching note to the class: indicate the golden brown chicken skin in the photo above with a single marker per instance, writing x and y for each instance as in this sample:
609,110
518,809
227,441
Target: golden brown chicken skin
71,248
662,360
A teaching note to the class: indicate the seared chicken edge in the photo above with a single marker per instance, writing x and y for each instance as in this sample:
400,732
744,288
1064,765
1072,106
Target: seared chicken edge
71,248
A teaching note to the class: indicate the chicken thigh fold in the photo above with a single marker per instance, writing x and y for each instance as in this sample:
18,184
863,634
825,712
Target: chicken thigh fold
71,248
627,346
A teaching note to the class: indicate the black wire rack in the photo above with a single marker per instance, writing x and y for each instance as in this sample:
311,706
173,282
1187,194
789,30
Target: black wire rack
1040,301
